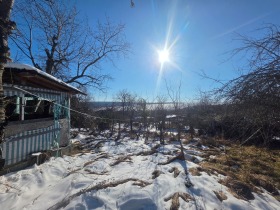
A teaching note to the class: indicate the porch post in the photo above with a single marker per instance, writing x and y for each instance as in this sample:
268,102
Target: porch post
22,104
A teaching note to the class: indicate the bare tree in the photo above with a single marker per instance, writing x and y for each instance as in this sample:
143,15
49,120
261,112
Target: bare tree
128,104
160,116
6,27
255,94
123,97
81,113
131,108
53,37
112,115
175,97
142,109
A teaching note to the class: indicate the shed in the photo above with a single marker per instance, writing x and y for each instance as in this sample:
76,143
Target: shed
37,112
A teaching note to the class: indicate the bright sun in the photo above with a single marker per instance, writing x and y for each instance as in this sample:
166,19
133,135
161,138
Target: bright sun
163,56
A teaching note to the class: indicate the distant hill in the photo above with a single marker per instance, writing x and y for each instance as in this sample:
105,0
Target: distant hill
99,105
103,104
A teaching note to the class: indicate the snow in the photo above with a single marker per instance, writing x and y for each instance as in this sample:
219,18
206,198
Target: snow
74,179
36,154
171,116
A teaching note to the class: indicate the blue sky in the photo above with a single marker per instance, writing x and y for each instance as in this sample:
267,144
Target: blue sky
202,32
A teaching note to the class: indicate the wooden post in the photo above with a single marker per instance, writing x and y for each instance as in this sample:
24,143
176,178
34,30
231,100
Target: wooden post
22,104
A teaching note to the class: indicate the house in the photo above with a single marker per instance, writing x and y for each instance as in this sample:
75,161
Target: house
37,113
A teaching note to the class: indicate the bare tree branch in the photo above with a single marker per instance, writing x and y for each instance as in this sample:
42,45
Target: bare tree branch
255,94
53,37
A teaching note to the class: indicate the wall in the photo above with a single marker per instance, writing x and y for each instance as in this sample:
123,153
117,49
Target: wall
20,146
22,138
20,126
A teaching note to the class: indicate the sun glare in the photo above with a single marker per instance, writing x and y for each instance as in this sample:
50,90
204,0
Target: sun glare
163,56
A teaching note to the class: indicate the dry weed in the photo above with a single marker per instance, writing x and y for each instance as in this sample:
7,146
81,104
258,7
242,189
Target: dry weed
220,195
246,164
239,189
156,173
175,204
96,173
263,181
92,161
121,159
195,171
175,170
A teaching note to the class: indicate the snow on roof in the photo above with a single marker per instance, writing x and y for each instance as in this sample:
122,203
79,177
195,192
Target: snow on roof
40,72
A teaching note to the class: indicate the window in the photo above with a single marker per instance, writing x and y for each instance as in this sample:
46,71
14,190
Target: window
27,108
35,108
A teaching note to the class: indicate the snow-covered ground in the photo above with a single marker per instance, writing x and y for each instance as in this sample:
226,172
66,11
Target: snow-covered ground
120,175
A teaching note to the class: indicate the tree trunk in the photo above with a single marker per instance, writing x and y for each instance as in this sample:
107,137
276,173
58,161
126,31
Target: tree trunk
6,27
131,124
182,155
161,137
119,131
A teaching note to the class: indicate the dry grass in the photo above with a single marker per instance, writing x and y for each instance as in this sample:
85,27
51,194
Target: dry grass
76,148
148,152
121,159
185,141
257,167
195,171
156,173
96,173
220,195
104,155
239,189
141,183
213,168
171,159
213,142
175,170
72,172
264,182
175,204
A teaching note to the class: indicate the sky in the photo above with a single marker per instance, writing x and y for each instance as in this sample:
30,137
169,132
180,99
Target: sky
199,34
